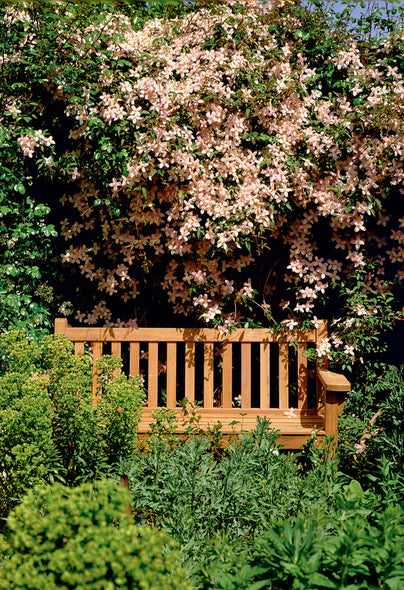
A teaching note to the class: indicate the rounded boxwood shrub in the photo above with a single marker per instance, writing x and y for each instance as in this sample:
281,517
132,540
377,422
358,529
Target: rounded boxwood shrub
81,537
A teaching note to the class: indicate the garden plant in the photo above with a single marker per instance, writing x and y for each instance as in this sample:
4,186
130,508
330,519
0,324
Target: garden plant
80,538
49,428
235,163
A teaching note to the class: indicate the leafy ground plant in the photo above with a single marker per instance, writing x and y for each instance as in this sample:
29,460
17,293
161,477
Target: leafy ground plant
358,549
198,496
373,426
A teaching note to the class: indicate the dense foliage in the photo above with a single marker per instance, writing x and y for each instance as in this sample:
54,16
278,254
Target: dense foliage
373,425
239,162
242,162
360,549
243,516
81,538
49,428
253,517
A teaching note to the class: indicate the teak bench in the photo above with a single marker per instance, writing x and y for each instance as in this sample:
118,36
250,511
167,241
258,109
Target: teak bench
270,374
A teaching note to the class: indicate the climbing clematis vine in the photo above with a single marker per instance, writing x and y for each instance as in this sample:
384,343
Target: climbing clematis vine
225,159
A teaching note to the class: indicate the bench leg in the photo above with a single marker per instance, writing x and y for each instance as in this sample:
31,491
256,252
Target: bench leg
334,404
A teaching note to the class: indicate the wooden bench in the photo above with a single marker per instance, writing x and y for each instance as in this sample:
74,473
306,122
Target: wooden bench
269,374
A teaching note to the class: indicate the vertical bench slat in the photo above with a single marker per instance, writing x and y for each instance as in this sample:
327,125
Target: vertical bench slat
116,350
153,375
96,348
301,376
79,348
171,374
246,375
208,364
134,358
283,375
265,400
190,371
227,381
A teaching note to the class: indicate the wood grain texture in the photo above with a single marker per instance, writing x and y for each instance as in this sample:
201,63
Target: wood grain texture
86,334
96,349
302,376
79,348
153,374
171,374
284,375
227,375
190,371
246,375
134,358
116,348
333,381
208,374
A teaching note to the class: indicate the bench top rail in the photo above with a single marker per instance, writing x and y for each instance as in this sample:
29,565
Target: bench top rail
111,334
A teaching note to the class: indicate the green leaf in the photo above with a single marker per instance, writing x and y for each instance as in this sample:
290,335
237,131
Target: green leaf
19,188
318,579
258,585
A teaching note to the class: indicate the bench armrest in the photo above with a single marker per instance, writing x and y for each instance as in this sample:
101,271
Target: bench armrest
333,381
335,385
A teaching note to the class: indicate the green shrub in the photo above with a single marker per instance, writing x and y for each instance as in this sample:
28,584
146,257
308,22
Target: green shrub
28,454
390,398
49,427
18,354
76,429
81,538
118,409
225,565
372,430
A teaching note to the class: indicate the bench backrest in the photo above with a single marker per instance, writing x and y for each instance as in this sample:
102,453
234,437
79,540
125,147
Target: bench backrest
261,369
